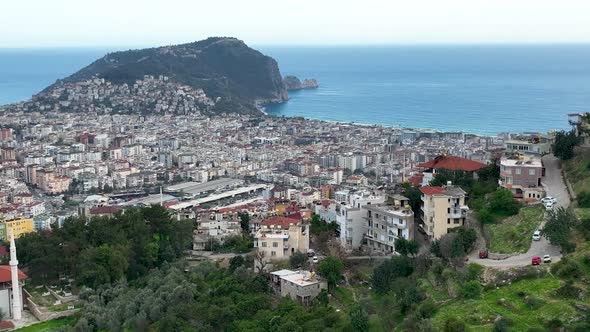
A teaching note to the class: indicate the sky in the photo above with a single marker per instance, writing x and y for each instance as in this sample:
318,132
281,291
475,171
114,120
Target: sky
91,23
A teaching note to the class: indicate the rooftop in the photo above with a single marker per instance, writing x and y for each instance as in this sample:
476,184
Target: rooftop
453,163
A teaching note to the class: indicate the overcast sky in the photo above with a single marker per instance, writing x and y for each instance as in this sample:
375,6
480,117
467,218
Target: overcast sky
83,23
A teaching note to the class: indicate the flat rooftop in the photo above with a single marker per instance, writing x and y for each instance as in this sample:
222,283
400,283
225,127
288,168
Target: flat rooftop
196,187
301,279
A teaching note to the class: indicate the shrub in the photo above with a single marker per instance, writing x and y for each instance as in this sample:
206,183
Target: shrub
500,325
454,325
567,268
584,199
533,302
471,290
473,271
568,291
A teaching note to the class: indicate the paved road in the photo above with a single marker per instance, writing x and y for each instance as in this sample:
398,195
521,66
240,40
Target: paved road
555,187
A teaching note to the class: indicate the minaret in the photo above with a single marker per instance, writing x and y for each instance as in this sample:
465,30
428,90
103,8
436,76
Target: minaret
16,301
161,197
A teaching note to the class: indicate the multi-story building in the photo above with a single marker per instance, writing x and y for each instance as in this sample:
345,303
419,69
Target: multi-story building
522,175
280,237
351,217
215,225
389,222
442,209
533,145
18,226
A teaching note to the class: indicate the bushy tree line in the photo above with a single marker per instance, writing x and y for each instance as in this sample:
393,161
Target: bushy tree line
105,250
565,142
203,298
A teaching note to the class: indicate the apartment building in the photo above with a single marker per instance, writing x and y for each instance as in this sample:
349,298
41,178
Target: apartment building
442,209
522,175
351,217
279,237
18,226
215,225
388,222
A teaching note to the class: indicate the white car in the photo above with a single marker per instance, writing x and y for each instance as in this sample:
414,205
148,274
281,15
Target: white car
546,259
548,206
548,199
315,259
537,235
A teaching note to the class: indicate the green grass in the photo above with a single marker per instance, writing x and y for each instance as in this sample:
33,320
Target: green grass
51,325
578,172
513,234
583,213
344,295
479,314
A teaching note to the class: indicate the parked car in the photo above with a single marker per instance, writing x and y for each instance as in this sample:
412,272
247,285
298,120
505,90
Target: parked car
483,253
536,260
548,199
548,206
315,259
537,235
546,259
310,253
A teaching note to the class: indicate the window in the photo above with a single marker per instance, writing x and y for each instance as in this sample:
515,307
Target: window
531,171
273,253
456,221
517,171
448,220
275,244
264,244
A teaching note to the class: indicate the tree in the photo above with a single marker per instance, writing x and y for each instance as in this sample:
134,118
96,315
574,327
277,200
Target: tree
407,247
558,226
414,195
244,221
298,260
260,261
101,265
359,319
503,201
471,289
236,262
563,148
331,268
389,271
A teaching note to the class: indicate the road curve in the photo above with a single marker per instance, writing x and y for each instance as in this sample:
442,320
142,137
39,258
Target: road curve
555,187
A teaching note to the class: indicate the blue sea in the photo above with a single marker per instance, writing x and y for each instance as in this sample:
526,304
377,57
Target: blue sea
477,89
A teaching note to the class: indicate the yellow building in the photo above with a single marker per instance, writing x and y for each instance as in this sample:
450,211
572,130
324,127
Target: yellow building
18,226
443,208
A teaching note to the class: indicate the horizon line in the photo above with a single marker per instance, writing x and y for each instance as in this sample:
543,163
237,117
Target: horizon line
302,45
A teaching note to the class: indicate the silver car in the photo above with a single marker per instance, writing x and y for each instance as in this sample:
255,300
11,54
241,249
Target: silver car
537,235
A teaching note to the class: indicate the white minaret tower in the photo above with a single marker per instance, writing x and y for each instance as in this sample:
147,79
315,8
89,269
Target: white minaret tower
16,301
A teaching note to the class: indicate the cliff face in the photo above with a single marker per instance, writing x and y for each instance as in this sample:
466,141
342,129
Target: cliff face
227,70
293,83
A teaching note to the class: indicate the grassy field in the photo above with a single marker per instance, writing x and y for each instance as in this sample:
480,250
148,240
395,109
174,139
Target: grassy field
49,326
513,234
526,304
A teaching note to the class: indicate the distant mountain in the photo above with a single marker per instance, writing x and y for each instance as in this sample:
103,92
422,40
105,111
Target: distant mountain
236,77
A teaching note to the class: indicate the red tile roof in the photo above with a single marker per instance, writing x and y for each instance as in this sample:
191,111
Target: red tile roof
453,163
416,180
427,190
6,325
105,210
284,222
5,275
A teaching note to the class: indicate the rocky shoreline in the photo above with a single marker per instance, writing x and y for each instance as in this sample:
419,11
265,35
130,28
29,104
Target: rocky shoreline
293,83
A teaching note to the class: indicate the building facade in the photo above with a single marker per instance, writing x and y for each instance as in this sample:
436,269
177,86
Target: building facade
387,223
442,209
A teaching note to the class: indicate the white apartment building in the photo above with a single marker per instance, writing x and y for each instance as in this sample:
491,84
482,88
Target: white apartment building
351,217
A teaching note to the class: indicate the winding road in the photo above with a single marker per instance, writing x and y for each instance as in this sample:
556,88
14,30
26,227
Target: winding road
555,187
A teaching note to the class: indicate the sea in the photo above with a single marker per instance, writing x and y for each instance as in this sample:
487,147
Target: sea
481,89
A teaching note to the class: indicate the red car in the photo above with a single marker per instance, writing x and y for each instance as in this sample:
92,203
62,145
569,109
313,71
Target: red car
483,254
536,260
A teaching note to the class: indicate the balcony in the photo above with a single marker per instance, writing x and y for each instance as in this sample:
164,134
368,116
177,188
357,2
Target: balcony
458,212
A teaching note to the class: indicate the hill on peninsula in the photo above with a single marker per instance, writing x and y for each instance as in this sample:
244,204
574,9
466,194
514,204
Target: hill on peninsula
235,77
